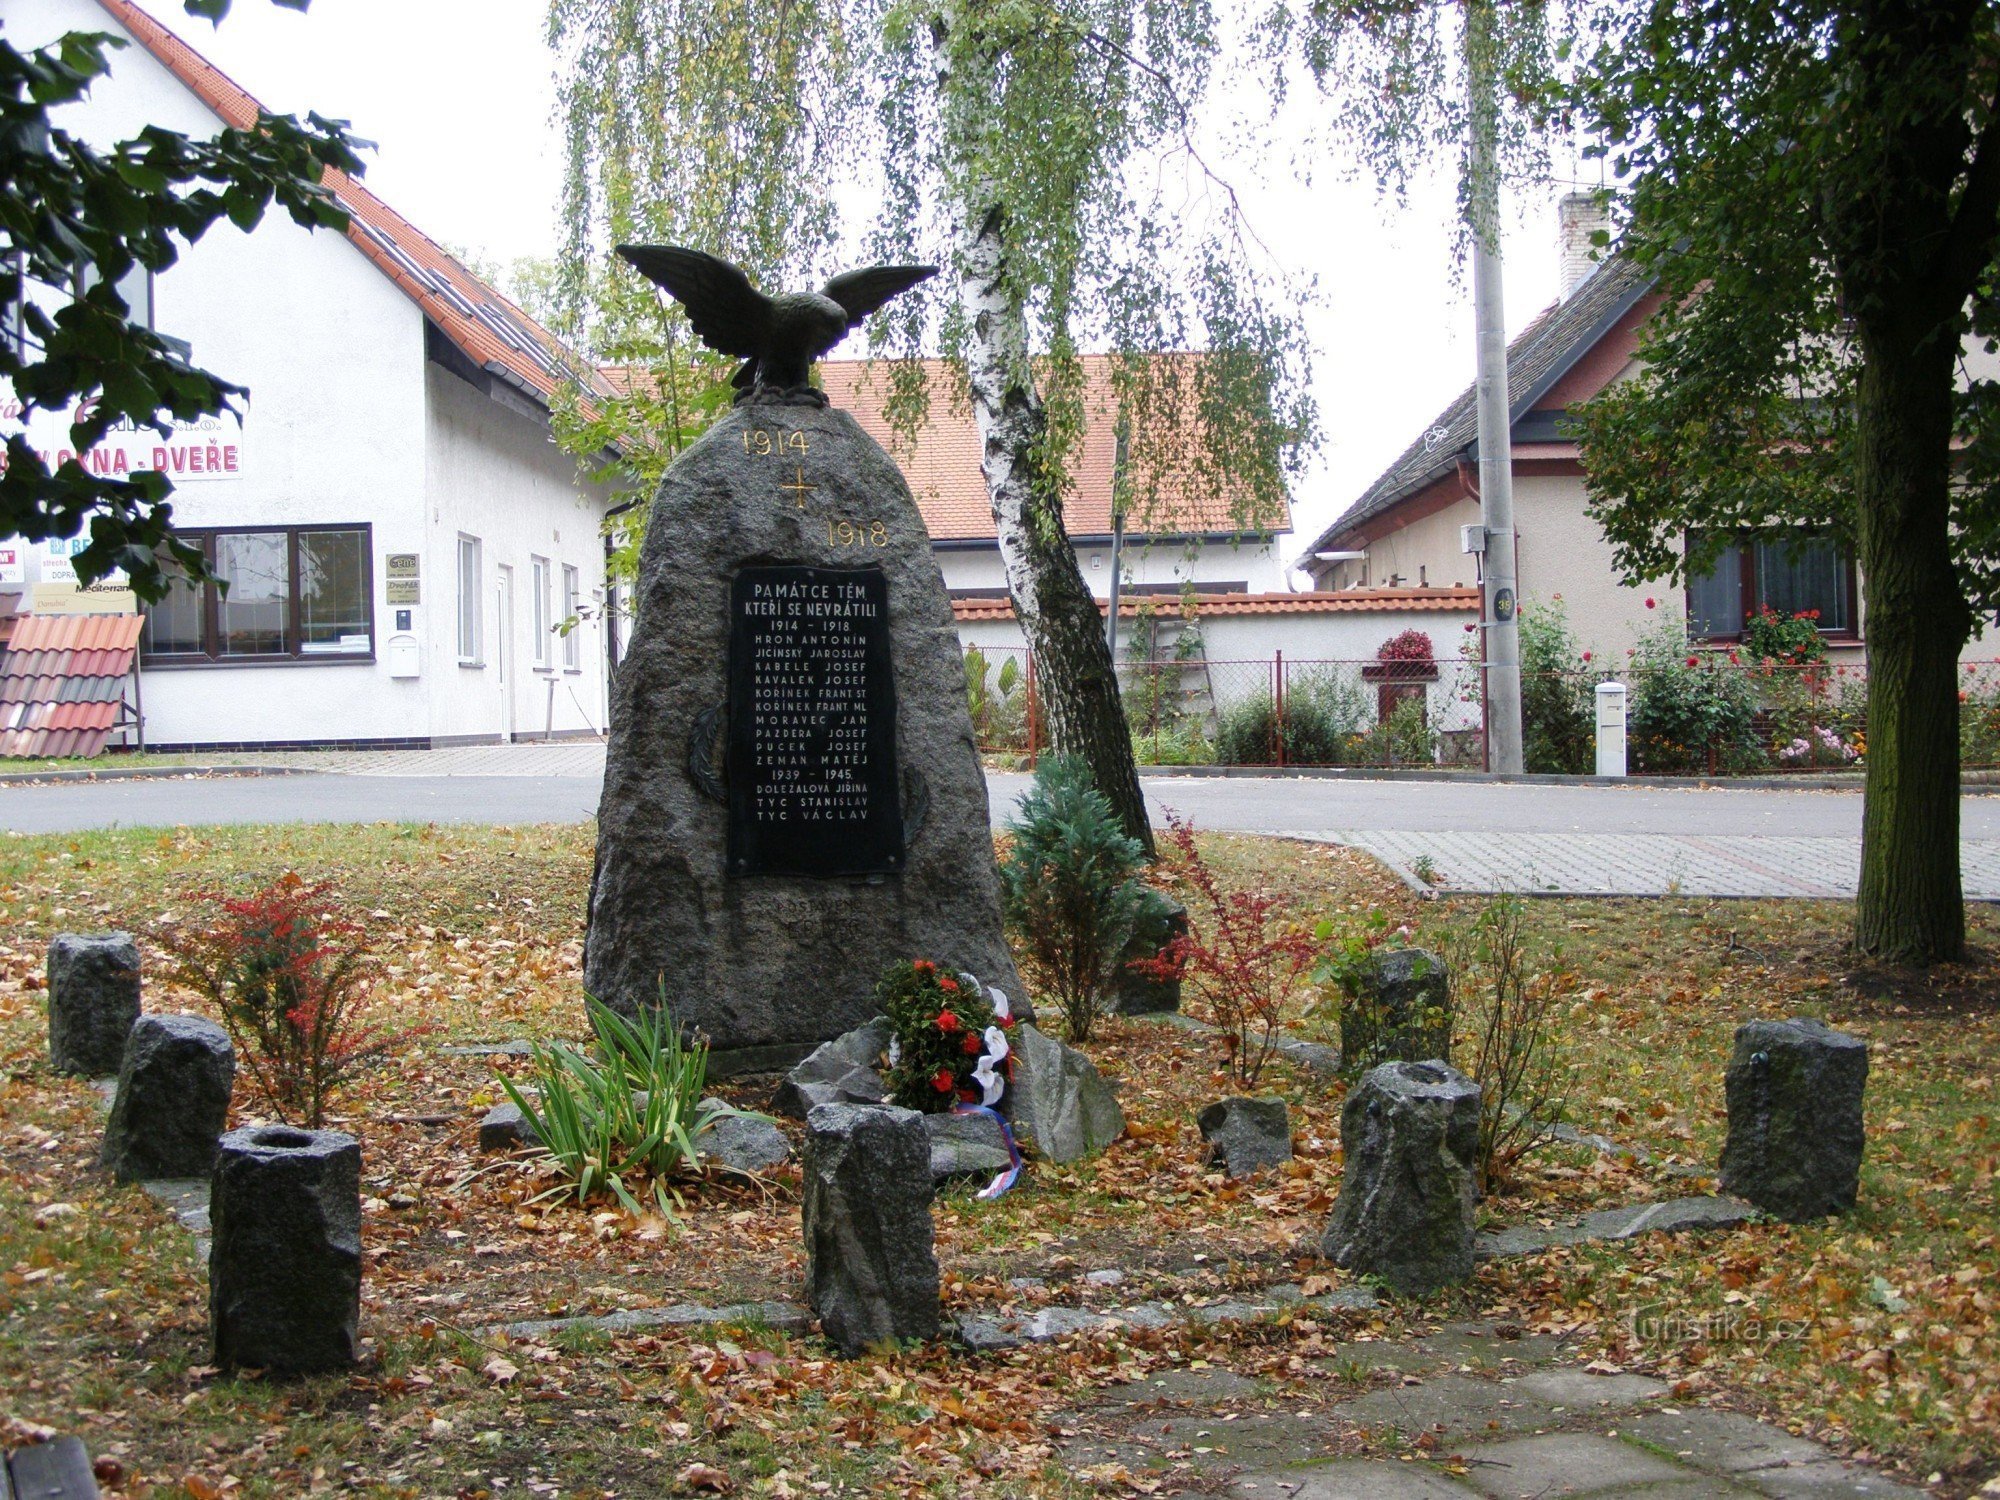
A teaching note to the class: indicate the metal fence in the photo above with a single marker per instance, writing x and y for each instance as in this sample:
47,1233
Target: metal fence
1705,715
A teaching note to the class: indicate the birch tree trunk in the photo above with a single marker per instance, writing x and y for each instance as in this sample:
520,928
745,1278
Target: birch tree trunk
1058,615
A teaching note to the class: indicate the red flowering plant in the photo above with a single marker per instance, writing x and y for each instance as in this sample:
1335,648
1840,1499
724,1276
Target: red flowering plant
948,1037
1248,957
1406,656
289,972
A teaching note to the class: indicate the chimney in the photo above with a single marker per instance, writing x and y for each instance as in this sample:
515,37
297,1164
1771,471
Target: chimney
1578,217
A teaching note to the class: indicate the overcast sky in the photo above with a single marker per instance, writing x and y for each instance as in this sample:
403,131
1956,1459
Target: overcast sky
458,97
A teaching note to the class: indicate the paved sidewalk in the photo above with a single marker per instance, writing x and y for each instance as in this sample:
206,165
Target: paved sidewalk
1474,1409
1639,864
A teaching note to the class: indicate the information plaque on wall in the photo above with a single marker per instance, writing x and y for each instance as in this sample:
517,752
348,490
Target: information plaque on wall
812,724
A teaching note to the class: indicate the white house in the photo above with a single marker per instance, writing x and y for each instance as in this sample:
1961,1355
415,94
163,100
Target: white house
401,535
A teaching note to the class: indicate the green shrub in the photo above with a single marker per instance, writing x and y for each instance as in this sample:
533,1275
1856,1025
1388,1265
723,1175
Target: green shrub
1182,744
1558,720
1687,706
1068,890
940,1025
1325,711
1978,724
629,1116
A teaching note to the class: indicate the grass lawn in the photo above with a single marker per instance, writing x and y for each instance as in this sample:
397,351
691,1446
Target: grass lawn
1875,1333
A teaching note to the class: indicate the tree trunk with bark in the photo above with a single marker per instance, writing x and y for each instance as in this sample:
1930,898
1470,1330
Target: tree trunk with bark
1078,680
1911,906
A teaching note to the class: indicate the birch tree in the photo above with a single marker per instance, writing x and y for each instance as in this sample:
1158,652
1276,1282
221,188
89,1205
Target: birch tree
1047,151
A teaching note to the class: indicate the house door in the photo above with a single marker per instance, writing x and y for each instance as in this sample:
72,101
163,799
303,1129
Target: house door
505,657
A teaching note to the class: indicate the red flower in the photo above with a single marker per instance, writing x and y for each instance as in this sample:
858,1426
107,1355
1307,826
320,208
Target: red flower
1694,661
968,1095
1649,603
1470,628
948,985
1732,659
1007,1022
972,1045
924,966
947,1022
943,1080
1586,656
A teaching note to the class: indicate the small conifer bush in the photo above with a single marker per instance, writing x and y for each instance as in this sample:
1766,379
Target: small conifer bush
1069,890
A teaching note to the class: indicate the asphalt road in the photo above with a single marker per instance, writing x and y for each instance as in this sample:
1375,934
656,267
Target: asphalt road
1264,805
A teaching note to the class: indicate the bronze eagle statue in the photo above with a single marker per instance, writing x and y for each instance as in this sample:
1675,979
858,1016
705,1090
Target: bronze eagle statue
777,338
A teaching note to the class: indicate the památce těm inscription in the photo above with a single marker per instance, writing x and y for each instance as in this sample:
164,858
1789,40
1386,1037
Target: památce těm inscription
812,724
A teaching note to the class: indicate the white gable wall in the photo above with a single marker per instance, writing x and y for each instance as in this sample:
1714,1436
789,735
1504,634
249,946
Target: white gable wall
493,474
347,423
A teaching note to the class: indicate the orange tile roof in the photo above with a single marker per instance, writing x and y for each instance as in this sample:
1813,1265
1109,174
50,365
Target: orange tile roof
1342,601
486,327
62,682
942,464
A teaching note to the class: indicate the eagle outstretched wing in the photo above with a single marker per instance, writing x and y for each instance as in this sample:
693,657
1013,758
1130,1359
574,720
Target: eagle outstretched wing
730,315
861,292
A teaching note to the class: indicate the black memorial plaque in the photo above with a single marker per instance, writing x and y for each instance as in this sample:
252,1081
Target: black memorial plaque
812,724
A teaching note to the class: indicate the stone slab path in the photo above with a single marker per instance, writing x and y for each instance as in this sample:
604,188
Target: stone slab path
1473,1410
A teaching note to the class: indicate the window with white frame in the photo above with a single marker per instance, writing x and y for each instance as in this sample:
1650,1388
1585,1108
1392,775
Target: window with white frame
541,609
469,598
572,605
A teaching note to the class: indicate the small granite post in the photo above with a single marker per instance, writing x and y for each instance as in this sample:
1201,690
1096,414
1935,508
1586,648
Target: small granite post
1403,1013
1140,994
93,1001
1246,1135
1794,1091
172,1101
1410,1135
284,1276
871,1274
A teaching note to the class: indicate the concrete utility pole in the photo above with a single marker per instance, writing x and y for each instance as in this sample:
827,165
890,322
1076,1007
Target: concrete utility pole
1500,628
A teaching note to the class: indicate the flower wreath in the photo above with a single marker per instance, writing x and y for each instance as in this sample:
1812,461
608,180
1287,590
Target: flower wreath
948,1038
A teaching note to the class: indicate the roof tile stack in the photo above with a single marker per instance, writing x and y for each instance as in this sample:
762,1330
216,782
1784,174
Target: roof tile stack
62,682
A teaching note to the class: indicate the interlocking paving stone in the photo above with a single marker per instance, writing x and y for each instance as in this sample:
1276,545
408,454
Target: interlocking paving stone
1351,1479
1724,1440
1828,1481
1574,1390
1569,1463
1455,1405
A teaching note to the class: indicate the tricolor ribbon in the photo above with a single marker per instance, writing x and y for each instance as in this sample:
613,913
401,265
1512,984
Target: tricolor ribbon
1007,1178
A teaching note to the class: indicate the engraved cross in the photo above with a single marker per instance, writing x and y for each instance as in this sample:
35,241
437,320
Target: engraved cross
798,485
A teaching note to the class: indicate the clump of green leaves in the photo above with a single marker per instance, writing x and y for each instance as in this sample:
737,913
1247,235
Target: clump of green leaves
1691,711
626,1118
1558,729
1069,890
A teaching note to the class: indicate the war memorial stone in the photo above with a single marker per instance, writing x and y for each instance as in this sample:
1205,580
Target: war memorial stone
792,797
172,1102
1794,1091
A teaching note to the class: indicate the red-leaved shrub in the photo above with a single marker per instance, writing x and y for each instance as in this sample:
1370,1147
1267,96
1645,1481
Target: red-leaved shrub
288,971
1247,956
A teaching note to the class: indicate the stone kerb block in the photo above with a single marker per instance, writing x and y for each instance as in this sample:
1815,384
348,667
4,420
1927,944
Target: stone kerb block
1794,1090
1403,1013
173,1099
871,1272
93,1001
1246,1135
1409,1134
284,1274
